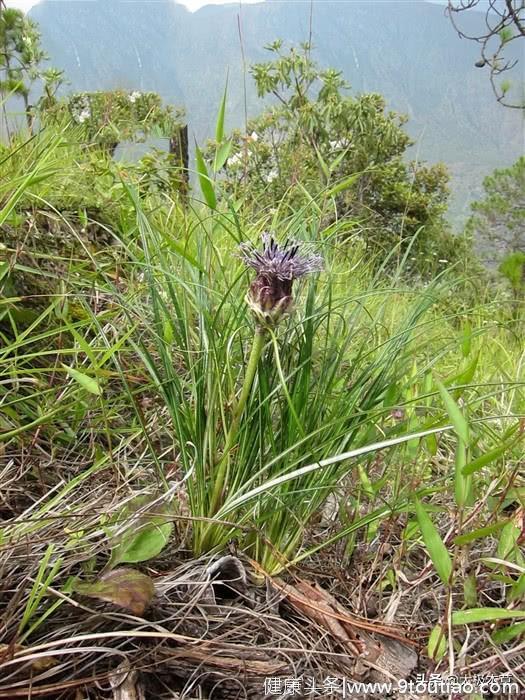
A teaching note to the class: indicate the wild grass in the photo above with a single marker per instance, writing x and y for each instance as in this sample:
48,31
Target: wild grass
381,426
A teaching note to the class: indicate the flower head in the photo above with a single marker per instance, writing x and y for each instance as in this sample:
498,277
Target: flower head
270,293
234,160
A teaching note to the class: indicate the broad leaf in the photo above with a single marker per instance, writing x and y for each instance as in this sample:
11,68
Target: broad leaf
221,155
147,531
479,533
88,383
145,544
205,182
343,185
454,412
437,644
124,587
487,458
507,634
462,482
435,545
468,617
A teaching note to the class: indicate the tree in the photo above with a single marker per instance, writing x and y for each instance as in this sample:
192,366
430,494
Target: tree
52,79
498,220
105,118
316,135
513,269
504,23
101,120
20,58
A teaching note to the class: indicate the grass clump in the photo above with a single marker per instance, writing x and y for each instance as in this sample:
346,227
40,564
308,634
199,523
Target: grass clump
166,412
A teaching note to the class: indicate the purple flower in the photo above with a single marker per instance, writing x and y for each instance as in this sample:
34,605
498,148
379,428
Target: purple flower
270,294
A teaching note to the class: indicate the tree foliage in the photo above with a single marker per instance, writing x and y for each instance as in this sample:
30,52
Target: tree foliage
498,220
315,135
513,268
21,59
108,117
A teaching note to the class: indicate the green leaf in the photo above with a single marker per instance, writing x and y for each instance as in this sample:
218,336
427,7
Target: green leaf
146,534
507,634
146,544
242,498
518,589
508,539
462,482
466,374
365,481
205,182
343,185
322,163
167,331
432,444
436,547
505,86
124,587
335,163
487,458
219,126
474,615
88,383
479,533
470,590
454,412
222,154
4,269
437,644
466,341
505,34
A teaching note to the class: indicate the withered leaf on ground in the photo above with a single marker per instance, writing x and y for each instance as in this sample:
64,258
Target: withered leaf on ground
124,587
42,663
388,652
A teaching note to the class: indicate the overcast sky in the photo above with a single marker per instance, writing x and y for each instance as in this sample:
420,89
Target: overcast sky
191,4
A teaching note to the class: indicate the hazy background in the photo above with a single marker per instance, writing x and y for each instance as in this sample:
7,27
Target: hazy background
407,51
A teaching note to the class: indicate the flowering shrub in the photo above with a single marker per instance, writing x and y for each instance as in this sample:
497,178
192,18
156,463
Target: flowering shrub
117,115
315,136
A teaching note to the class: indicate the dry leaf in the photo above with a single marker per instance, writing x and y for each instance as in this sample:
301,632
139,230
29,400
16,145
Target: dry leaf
7,652
388,651
124,587
126,684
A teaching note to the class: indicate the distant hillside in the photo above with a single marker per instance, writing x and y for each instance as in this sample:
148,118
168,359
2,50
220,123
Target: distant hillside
406,51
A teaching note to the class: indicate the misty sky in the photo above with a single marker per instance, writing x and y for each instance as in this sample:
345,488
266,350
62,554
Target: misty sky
190,4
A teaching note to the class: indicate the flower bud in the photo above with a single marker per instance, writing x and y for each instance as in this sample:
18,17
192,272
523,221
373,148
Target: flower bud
270,294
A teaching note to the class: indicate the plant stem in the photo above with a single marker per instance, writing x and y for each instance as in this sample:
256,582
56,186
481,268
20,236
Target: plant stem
257,348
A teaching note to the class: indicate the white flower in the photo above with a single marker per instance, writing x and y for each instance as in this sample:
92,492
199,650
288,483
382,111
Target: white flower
81,109
337,145
134,96
234,160
271,175
83,115
253,136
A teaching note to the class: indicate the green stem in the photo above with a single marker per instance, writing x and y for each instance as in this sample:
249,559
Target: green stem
257,348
